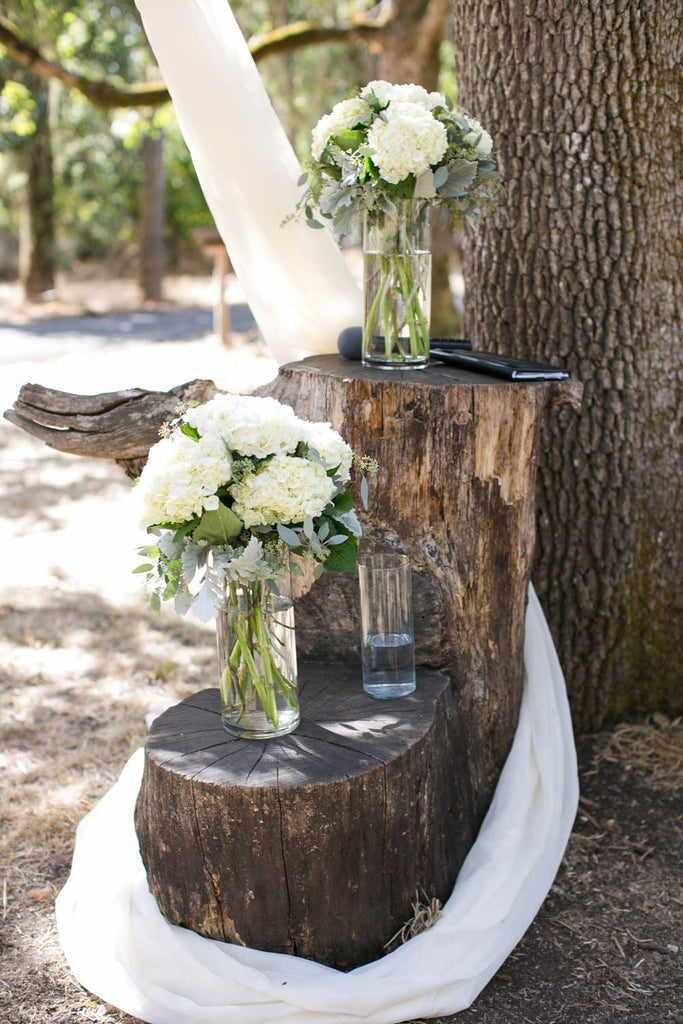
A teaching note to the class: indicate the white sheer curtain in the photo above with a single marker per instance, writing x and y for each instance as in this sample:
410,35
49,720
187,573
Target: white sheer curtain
295,279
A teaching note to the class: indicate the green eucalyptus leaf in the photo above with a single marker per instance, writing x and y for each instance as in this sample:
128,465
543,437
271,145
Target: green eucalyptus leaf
145,567
302,179
440,176
364,493
314,223
324,531
150,552
292,539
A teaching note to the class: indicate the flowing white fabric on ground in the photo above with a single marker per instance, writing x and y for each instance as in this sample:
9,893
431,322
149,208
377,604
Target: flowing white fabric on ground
121,947
295,279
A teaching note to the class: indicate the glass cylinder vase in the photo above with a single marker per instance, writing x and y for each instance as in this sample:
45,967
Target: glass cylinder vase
387,640
257,659
397,272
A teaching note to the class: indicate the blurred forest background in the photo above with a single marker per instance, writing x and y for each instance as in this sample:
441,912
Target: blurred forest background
96,181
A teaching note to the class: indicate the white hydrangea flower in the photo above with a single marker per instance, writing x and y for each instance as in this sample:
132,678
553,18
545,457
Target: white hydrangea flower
386,92
416,94
485,144
181,477
286,490
331,447
247,567
343,115
248,425
408,142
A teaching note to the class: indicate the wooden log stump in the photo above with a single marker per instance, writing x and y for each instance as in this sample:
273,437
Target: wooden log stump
458,454
315,843
455,492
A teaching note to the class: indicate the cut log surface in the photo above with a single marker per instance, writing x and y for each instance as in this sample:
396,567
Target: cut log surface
315,843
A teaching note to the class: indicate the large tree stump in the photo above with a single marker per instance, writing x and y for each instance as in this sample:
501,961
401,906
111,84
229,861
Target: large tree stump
458,455
315,843
455,492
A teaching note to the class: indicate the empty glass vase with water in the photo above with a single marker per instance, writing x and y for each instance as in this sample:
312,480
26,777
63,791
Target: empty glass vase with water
387,639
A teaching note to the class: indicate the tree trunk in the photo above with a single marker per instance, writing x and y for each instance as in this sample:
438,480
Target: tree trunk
151,268
411,54
455,492
315,843
37,241
583,266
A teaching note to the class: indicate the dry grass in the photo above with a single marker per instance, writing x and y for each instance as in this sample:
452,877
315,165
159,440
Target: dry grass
426,912
654,747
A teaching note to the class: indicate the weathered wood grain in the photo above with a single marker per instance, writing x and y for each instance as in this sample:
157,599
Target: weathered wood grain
314,843
120,425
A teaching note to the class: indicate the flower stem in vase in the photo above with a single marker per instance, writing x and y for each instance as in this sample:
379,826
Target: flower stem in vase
258,662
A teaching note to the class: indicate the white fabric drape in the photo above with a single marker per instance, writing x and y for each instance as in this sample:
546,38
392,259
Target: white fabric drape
295,279
122,948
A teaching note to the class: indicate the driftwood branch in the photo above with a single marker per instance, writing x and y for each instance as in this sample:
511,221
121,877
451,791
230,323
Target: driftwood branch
107,96
119,425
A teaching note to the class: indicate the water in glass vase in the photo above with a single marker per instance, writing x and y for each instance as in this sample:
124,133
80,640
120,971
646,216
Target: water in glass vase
397,270
388,665
397,304
257,662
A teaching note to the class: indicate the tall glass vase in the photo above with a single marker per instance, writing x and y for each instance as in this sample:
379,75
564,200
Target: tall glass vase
397,264
257,659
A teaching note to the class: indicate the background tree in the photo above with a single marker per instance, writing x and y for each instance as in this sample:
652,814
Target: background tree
99,52
583,266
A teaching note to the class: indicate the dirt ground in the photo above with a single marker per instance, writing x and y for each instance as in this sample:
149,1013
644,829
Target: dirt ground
82,661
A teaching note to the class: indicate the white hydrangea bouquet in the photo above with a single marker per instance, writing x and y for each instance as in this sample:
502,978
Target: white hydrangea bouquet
388,154
231,491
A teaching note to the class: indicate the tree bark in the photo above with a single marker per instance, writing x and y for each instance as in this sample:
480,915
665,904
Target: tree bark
37,239
583,265
315,843
151,259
